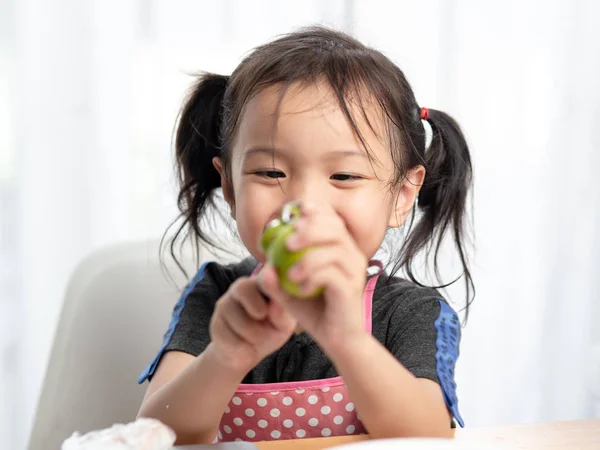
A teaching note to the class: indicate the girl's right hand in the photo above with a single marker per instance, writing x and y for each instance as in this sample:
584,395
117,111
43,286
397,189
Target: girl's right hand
245,328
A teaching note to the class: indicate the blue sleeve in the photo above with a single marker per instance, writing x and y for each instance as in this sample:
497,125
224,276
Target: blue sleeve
424,335
176,319
447,327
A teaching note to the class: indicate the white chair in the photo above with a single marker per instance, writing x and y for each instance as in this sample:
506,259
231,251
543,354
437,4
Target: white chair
117,307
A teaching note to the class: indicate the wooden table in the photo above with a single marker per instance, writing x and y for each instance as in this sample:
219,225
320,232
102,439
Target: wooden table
576,435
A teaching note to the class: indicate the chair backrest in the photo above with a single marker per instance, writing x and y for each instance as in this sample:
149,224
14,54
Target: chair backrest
116,310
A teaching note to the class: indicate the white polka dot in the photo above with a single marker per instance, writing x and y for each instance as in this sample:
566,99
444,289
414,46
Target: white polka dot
325,389
299,391
288,423
227,410
227,429
313,422
313,399
238,439
338,420
251,433
263,423
274,393
287,401
350,407
338,397
261,402
275,412
326,432
250,412
325,410
350,429
249,393
237,421
275,434
220,435
300,433
300,412
236,401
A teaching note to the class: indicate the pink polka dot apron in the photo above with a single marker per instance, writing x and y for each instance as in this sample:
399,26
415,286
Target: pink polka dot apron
301,409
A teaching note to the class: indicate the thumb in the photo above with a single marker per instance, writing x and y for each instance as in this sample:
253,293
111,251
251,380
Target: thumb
268,284
281,319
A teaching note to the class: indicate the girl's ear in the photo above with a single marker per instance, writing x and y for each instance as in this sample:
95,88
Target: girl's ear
406,196
225,185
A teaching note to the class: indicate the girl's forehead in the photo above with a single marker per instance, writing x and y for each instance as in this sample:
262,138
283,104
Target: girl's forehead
294,99
315,109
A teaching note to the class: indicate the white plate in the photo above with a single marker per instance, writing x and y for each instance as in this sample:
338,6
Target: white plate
411,444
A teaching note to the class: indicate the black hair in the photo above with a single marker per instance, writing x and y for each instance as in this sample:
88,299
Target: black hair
209,120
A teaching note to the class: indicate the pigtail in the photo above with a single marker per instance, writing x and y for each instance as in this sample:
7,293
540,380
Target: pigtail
197,142
442,200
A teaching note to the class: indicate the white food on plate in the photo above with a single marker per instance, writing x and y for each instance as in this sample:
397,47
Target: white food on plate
143,434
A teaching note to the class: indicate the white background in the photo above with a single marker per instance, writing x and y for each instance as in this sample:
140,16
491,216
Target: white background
89,91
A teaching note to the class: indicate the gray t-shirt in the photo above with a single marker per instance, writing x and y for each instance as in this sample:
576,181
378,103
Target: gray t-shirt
414,323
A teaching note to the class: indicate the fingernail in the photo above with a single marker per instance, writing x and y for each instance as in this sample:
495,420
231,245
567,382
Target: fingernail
294,272
268,267
292,242
300,223
305,289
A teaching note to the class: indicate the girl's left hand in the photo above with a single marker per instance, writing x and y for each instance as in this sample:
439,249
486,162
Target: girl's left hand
337,265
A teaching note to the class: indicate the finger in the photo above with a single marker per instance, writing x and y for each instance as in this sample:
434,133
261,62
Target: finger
352,264
268,283
281,319
330,278
287,311
241,324
221,331
246,292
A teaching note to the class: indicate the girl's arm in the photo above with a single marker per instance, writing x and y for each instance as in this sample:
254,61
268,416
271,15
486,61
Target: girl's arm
189,394
390,400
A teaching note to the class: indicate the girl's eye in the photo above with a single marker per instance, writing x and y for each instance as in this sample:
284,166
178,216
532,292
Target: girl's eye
270,173
344,177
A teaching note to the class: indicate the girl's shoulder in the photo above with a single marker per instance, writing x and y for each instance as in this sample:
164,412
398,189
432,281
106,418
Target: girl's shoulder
220,276
396,288
231,271
402,301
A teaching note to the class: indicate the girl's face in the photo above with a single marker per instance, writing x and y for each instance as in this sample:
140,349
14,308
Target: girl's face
309,152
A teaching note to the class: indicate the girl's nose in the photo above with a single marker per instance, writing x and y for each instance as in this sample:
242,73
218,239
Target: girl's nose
308,191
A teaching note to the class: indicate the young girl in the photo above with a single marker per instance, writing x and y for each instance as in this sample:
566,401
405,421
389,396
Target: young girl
319,118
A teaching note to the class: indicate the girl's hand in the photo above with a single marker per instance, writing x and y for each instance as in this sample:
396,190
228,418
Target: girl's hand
336,264
245,328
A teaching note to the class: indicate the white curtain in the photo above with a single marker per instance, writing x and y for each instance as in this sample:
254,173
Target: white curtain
89,92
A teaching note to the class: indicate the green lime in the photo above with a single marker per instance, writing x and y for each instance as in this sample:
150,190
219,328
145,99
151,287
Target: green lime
273,243
269,234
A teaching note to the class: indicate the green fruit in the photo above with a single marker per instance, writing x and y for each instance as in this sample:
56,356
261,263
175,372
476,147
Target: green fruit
273,243
269,234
